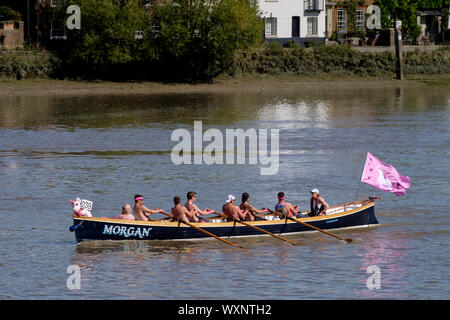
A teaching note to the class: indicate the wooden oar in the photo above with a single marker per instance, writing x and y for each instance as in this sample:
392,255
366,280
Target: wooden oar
310,226
257,228
202,230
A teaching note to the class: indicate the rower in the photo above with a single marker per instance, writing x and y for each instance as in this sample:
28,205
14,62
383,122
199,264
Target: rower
247,207
126,213
318,205
140,212
285,207
179,212
194,212
232,211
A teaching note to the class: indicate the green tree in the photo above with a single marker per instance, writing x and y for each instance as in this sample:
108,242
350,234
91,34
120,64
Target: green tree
182,39
107,34
7,13
433,4
405,10
17,6
198,38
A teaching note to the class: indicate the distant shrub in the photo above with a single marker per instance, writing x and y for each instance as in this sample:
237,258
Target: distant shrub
274,59
269,59
433,62
27,66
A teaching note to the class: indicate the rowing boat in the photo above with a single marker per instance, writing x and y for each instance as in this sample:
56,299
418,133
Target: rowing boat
350,215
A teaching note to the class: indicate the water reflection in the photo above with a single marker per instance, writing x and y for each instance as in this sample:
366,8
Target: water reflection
295,115
151,247
386,251
106,111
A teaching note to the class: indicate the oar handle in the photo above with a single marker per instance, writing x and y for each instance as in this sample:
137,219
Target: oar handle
257,228
202,230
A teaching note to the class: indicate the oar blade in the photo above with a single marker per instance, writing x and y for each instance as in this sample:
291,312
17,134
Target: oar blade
313,227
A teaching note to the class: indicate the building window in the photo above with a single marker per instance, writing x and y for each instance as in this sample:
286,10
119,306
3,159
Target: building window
360,17
318,5
271,26
423,20
139,34
313,5
311,26
156,29
342,20
308,5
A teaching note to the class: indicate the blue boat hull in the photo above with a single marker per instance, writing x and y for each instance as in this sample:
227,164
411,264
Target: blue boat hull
113,229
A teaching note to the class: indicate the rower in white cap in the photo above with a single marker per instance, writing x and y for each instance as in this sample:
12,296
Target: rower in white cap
231,210
318,205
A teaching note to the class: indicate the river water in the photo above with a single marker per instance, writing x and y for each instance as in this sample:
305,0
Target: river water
106,148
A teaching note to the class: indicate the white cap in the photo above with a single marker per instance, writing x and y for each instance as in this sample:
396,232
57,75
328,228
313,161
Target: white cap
314,191
230,198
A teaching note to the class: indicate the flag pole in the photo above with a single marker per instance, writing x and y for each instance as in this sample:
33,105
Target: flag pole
359,183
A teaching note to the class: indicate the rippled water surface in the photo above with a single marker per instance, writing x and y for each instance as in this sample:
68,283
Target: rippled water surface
108,148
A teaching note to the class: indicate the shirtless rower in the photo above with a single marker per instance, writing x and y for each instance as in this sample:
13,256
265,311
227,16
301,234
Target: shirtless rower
140,212
247,207
284,207
231,210
179,212
194,212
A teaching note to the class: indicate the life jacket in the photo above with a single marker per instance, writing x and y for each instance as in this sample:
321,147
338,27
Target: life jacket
315,209
279,207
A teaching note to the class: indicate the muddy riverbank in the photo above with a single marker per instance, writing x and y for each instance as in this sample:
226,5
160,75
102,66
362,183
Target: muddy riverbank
223,84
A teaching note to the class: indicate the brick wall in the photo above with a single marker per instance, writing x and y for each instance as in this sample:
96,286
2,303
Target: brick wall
11,34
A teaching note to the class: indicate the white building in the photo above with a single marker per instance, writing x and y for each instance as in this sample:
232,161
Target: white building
296,20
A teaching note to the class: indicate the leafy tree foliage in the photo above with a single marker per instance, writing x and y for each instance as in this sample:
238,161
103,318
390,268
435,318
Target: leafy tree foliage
107,34
405,10
182,39
7,13
200,37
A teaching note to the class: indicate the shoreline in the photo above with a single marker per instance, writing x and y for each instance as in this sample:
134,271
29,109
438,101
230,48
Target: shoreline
251,83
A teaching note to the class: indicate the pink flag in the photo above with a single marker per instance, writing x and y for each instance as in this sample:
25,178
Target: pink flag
384,176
